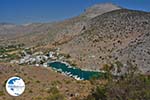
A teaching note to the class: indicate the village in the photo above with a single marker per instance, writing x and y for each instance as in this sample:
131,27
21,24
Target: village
26,56
40,58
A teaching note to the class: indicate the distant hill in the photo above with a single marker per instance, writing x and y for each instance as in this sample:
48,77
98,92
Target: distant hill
31,34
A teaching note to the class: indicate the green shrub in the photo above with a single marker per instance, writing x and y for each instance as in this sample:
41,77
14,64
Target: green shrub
119,64
38,81
38,98
56,96
30,91
1,93
57,82
54,90
67,81
2,51
136,87
107,67
100,93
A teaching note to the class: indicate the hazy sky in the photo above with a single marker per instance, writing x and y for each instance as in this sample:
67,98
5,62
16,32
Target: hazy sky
29,11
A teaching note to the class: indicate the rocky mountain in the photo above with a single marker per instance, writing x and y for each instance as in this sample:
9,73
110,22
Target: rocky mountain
120,35
99,9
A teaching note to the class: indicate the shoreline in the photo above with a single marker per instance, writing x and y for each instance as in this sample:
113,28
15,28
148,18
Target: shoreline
76,73
69,66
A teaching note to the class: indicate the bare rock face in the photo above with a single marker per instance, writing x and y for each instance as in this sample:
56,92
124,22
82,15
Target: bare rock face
99,9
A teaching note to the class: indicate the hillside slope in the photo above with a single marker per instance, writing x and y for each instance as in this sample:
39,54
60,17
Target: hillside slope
44,33
120,35
42,84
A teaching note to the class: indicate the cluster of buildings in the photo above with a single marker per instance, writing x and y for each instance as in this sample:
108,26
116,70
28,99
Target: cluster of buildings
38,58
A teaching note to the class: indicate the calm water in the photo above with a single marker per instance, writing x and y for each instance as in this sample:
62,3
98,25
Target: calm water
74,72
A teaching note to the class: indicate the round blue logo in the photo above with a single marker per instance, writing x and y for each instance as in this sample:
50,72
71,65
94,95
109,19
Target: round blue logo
15,86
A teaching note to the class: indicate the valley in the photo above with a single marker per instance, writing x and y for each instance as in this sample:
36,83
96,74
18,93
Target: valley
101,54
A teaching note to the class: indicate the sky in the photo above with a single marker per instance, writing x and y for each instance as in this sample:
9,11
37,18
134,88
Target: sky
35,11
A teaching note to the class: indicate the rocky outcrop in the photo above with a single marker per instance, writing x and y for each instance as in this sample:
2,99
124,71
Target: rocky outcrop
99,9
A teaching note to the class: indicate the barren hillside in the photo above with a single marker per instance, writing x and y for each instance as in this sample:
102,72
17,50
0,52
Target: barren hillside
44,33
117,35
